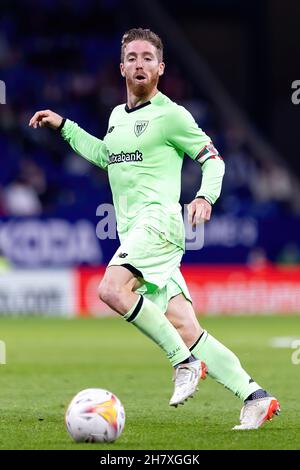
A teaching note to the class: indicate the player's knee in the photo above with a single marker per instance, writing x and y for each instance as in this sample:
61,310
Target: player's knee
109,292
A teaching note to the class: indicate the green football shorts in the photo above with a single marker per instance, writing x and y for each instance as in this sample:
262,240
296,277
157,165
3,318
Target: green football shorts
155,261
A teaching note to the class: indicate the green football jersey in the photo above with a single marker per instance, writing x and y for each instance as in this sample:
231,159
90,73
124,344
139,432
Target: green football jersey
143,153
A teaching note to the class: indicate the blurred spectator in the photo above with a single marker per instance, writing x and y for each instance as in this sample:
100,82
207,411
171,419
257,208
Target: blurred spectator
33,175
20,199
272,183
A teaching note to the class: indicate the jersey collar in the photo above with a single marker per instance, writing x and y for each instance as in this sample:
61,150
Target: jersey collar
131,110
153,100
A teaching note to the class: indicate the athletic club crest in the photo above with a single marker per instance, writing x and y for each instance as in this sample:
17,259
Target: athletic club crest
140,127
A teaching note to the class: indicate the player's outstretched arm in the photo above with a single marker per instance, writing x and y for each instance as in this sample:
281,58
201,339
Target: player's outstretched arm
83,143
46,118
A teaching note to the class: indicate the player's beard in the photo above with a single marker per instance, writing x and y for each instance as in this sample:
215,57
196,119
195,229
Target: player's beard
142,89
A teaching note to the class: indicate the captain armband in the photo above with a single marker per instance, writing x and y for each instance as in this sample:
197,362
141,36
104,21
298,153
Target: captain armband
209,151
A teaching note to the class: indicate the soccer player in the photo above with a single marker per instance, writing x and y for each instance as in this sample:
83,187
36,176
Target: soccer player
143,152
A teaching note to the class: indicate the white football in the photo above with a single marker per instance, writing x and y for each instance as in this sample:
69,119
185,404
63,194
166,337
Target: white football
95,415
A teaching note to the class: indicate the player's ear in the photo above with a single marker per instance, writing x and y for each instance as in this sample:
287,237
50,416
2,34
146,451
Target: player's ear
161,69
122,69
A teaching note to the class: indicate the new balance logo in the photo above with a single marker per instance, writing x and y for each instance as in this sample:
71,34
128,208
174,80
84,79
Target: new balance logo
122,255
125,157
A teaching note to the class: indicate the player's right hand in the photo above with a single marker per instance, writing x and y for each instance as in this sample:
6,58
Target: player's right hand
45,118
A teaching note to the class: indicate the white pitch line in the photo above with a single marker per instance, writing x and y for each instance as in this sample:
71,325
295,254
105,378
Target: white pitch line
283,341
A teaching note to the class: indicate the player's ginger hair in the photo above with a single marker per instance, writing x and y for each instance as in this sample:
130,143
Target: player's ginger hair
141,34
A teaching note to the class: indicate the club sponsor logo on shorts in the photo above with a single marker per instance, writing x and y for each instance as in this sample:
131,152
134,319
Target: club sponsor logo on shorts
122,157
140,127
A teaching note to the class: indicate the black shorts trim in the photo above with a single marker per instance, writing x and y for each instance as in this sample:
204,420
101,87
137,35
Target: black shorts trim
132,269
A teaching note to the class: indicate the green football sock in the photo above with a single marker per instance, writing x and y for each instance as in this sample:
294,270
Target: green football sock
147,317
223,366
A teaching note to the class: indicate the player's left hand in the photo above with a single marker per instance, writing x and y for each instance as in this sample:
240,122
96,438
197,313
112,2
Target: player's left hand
199,211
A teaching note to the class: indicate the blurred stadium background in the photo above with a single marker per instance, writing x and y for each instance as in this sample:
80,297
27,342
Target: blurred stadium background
232,65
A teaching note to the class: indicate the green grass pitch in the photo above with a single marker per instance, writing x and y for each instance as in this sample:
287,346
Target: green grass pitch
50,360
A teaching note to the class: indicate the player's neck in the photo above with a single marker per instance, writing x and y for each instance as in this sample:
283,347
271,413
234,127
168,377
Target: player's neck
133,101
